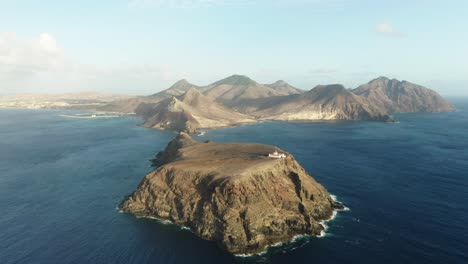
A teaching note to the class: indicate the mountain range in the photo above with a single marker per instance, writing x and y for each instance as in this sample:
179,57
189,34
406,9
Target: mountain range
239,99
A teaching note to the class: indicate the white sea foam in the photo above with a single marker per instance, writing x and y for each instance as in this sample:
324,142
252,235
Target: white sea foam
297,237
162,221
252,255
186,228
323,223
345,209
245,255
322,233
166,222
258,254
276,245
335,199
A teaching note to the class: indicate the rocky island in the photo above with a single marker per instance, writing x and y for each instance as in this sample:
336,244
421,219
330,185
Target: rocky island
233,194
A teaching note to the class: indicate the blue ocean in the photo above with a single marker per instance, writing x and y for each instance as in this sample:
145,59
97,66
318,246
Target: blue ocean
406,185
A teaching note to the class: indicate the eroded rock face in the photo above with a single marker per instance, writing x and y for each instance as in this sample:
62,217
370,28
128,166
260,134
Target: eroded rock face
233,194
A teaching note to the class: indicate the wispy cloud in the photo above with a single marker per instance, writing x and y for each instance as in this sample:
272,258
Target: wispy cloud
386,28
36,54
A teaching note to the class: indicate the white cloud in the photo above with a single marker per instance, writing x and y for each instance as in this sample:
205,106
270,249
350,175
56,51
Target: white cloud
386,28
41,64
37,54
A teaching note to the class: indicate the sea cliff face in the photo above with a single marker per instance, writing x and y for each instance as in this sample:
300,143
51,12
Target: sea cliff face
233,194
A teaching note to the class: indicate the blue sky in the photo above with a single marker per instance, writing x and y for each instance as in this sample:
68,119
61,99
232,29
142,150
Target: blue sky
142,46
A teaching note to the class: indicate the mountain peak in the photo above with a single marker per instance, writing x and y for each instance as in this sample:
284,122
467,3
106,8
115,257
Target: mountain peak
182,84
284,87
176,89
237,80
384,79
280,82
330,87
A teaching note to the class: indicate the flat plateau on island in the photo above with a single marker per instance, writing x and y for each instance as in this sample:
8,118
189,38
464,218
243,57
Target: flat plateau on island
233,194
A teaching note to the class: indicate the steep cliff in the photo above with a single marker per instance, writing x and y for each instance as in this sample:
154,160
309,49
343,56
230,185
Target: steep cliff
232,193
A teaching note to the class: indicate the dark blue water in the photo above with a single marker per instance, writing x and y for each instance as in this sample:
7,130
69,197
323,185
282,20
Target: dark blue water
406,184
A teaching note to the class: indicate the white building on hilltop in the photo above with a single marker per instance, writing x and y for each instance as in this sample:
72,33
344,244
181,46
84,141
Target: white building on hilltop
277,155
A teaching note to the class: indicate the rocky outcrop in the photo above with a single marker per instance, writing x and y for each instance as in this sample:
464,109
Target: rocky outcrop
233,194
402,96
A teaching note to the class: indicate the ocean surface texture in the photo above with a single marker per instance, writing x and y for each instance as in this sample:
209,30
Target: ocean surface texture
61,180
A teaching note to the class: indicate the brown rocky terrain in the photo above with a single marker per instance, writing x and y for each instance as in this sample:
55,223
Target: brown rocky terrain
239,99
131,105
237,88
402,96
285,87
190,112
324,102
233,194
